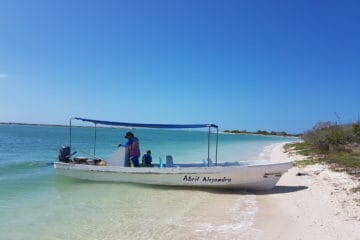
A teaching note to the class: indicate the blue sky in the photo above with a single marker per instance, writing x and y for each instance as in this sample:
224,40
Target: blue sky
269,65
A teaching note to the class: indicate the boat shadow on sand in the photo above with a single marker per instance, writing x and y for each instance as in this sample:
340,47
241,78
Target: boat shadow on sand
281,189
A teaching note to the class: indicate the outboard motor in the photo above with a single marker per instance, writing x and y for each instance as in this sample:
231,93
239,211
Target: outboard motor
64,154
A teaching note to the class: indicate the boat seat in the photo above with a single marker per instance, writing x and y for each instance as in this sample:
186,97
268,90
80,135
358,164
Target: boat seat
208,162
169,161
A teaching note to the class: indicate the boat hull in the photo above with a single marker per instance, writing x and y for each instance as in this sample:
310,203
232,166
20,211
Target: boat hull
249,177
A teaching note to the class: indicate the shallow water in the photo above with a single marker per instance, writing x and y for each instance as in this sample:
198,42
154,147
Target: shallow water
37,204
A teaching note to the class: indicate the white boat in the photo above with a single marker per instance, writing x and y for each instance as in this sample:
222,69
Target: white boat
256,175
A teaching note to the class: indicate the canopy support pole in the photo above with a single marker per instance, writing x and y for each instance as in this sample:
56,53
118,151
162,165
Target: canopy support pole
95,142
208,158
217,140
70,132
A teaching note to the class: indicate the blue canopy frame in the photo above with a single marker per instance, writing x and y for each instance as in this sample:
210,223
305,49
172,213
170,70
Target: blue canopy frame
161,126
144,125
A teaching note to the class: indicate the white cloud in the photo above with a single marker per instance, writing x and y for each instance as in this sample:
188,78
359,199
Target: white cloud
2,75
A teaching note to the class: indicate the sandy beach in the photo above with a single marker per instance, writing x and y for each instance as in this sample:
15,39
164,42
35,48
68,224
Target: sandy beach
310,202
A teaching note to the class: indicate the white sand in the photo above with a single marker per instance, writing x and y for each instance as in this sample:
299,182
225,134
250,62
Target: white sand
319,204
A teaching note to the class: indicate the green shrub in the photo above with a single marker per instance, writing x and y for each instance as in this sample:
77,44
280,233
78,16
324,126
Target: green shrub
339,137
318,136
327,143
327,136
356,131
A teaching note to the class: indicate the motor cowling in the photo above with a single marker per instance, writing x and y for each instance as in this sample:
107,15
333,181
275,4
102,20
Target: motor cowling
64,154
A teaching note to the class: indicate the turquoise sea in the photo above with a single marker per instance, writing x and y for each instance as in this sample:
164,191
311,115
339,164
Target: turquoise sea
35,203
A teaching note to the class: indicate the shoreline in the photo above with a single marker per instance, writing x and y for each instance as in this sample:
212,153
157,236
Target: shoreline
309,202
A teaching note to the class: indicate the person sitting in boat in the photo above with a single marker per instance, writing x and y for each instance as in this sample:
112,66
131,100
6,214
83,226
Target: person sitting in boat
134,148
147,159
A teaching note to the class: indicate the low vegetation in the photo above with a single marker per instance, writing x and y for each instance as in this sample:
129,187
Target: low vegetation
331,143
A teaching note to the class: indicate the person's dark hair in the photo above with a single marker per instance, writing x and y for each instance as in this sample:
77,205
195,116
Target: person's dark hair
129,134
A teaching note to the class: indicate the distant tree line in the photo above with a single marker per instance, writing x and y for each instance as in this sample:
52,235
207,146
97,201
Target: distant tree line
262,132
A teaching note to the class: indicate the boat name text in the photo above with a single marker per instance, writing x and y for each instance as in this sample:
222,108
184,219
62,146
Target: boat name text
206,179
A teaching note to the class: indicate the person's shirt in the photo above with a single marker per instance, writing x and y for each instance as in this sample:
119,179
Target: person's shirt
147,159
133,145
